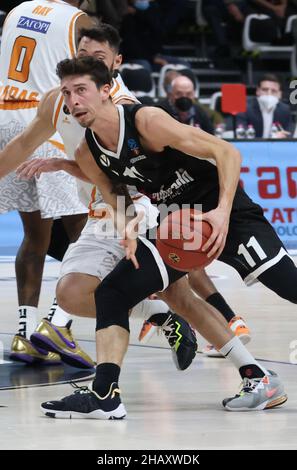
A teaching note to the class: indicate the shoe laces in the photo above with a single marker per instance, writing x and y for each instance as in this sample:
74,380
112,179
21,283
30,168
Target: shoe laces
169,330
250,385
81,390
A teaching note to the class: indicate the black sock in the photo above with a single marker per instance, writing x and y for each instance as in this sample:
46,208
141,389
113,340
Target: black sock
251,371
159,318
218,301
106,374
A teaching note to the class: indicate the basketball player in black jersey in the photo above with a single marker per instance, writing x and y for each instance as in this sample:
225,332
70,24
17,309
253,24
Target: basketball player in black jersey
174,164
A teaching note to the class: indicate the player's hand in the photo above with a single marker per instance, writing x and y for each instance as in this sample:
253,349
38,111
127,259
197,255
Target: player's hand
219,220
130,239
36,166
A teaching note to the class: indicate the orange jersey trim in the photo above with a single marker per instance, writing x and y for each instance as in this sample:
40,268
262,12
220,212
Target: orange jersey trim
57,112
57,144
12,105
71,35
116,88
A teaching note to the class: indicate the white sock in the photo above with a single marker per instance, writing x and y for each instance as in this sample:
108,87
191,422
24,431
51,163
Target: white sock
52,310
60,317
237,353
147,308
27,320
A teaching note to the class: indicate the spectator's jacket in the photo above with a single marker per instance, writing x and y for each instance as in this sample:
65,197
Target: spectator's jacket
197,116
253,115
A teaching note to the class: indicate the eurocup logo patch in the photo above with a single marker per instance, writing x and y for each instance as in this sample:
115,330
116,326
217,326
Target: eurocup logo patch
174,258
104,160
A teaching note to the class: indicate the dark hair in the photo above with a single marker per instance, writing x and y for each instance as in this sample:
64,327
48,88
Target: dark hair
102,33
97,70
269,77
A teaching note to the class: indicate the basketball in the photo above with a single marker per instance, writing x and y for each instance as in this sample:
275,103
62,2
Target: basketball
180,240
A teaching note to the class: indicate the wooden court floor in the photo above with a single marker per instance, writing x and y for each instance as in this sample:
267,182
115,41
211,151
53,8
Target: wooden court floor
167,409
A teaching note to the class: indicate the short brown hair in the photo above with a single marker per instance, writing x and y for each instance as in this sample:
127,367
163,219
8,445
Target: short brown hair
269,77
102,33
96,69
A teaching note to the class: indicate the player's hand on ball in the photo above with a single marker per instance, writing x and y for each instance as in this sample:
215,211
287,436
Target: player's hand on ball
219,220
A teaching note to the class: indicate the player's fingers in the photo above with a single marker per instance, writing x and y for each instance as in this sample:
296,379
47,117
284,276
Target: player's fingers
215,249
22,170
25,165
198,217
211,240
221,247
133,258
32,170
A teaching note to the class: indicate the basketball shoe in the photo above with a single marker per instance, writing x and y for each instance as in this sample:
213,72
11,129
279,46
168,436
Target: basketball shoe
239,328
180,336
258,394
23,350
59,339
85,403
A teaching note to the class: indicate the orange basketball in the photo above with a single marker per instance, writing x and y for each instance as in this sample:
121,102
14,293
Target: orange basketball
180,240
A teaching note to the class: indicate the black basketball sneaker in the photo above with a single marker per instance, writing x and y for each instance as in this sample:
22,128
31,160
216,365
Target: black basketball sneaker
85,403
179,334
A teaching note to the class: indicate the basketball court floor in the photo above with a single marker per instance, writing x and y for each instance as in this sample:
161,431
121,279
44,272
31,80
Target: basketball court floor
167,409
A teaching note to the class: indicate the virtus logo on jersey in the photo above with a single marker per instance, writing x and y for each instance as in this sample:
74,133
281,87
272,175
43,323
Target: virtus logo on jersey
104,160
33,25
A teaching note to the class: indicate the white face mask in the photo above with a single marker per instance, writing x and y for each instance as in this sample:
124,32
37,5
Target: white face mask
268,102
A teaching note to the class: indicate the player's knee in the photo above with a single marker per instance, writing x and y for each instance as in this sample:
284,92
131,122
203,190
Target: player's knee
35,242
112,307
69,295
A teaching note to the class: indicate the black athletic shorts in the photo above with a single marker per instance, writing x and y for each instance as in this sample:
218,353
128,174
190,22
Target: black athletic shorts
252,245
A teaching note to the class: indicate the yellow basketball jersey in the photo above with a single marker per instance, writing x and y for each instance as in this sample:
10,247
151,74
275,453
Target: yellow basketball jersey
36,36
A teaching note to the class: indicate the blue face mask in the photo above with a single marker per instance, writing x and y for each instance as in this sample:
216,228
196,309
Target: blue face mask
141,4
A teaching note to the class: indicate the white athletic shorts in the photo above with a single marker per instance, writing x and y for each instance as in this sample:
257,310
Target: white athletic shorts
98,249
54,194
92,254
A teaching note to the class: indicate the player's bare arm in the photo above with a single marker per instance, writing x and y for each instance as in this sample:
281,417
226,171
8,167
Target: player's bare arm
125,224
38,131
83,21
198,144
37,166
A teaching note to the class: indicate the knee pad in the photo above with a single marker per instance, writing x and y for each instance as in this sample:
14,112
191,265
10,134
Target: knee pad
111,307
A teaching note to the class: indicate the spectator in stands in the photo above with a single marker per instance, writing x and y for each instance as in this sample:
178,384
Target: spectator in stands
112,11
266,108
273,8
172,11
218,12
141,31
278,10
181,104
8,5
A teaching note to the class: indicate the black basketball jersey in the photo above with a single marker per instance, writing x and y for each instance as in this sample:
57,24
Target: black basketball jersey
166,177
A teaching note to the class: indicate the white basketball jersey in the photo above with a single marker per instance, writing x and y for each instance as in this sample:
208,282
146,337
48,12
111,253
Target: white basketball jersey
72,133
36,36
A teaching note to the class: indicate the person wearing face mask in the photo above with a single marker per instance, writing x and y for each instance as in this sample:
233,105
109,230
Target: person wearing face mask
181,104
267,108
